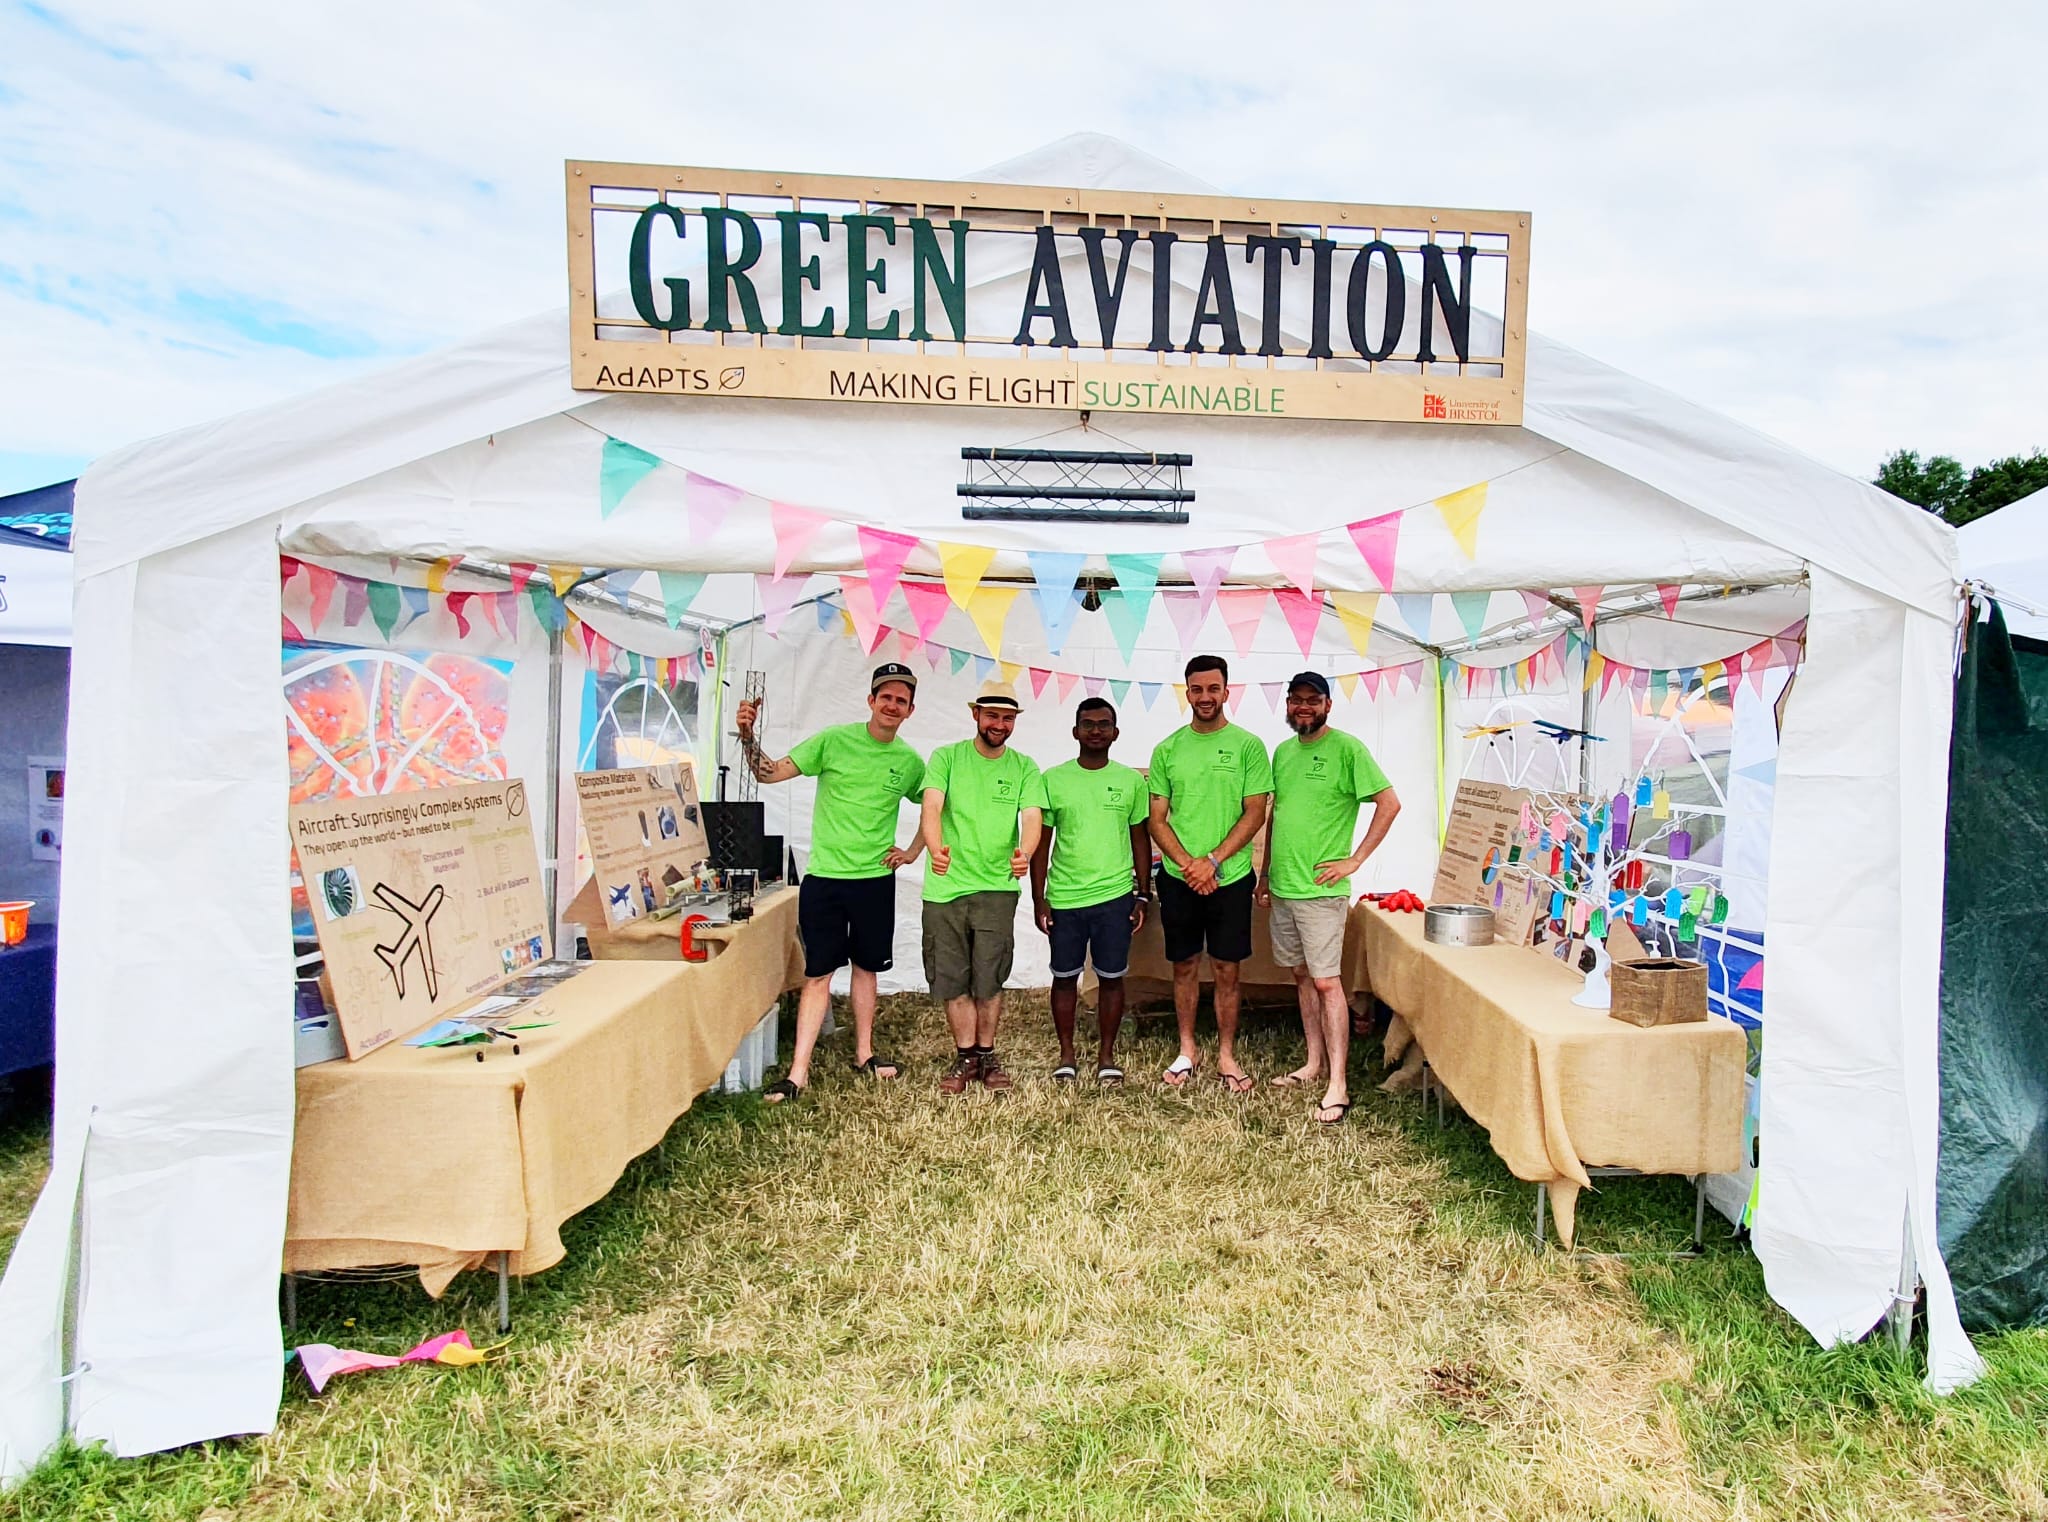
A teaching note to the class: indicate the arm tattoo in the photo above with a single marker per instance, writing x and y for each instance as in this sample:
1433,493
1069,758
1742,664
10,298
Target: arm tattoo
756,758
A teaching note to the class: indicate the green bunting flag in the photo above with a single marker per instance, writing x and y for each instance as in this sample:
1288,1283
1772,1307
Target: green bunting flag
624,467
384,604
678,590
1126,614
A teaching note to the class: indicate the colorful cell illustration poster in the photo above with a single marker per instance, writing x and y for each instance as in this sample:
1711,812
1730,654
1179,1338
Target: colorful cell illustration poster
421,901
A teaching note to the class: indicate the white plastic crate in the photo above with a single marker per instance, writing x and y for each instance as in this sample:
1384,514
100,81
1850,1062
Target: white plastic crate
755,1056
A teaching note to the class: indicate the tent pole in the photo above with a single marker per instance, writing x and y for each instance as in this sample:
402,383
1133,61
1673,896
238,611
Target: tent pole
550,875
1587,705
1436,685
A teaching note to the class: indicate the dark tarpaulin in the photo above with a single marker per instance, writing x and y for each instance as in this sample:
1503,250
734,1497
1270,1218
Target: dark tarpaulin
1992,1188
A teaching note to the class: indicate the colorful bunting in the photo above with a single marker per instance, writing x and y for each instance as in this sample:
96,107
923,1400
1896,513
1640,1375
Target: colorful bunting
884,554
794,527
1303,611
1376,539
1054,574
1039,677
989,607
1347,683
1589,604
1207,569
1356,610
1119,690
1471,610
458,609
355,601
1067,679
858,596
962,566
415,599
1242,607
958,659
1275,694
1136,575
708,502
1187,610
1461,510
1149,691
928,602
623,467
777,598
1539,606
1295,558
319,592
1415,609
1668,595
1126,614
1093,685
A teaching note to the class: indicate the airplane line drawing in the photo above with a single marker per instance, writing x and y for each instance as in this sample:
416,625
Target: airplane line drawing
416,937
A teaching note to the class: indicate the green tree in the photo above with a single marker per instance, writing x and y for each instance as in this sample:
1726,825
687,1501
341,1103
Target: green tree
1937,484
2002,481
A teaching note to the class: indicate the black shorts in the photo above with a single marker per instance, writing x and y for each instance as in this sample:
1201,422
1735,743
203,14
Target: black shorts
1102,931
1219,923
842,918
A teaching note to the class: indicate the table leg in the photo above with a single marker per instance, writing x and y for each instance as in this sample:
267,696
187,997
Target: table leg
1699,1214
291,1302
504,1292
1542,1201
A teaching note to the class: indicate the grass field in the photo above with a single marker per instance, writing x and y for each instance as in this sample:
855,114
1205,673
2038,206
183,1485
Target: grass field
1076,1303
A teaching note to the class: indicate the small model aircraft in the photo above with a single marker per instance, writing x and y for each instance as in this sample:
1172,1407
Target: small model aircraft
1558,731
1486,730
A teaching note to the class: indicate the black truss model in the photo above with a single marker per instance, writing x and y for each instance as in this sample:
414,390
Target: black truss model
1084,485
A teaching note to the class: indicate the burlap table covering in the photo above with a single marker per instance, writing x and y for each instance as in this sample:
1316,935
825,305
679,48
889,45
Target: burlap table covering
432,1158
1259,978
1558,1088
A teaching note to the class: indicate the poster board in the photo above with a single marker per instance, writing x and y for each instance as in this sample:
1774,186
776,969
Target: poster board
421,901
646,831
1483,816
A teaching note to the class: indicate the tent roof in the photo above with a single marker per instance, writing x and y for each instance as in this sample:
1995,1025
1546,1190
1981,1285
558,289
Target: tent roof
173,490
2008,551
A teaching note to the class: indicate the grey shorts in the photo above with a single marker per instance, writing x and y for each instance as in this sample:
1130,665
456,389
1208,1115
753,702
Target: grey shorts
969,943
1309,932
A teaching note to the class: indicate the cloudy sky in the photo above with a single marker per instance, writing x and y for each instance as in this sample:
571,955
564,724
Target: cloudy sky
1828,220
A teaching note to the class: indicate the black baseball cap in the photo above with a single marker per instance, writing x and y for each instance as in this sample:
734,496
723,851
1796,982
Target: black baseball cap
1311,679
892,671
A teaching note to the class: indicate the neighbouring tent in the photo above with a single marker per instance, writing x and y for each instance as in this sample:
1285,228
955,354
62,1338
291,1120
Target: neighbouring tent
173,1125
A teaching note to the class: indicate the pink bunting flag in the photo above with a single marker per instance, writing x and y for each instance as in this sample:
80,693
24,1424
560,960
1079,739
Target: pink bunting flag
355,600
777,596
488,601
928,602
458,603
321,1361
1067,679
1376,539
508,611
1539,606
884,553
1733,666
1668,595
1295,558
1788,652
587,634
708,502
1207,569
319,592
1242,607
1039,677
1236,697
1275,694
288,566
1187,610
860,606
521,572
1093,685
291,631
1303,611
1609,673
795,527
1589,604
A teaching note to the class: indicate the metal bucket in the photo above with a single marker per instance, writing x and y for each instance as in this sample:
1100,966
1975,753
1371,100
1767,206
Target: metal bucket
1458,924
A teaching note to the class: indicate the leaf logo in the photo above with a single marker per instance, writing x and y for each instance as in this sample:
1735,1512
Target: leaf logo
732,379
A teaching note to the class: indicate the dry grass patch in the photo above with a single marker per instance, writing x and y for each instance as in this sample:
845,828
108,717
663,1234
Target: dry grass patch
882,1303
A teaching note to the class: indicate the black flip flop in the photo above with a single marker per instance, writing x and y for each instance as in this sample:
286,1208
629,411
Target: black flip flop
1111,1077
877,1060
1066,1072
782,1092
1342,1110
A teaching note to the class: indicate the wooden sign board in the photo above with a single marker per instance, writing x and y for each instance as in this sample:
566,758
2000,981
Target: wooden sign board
646,832
421,901
688,281
1483,816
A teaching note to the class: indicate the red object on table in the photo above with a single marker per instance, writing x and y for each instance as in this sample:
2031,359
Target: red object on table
691,951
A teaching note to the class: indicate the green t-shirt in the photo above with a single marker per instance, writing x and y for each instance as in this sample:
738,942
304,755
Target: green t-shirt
1316,792
979,822
1091,814
1205,780
861,784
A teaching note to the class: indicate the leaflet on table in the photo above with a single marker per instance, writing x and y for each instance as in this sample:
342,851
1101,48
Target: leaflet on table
421,901
646,833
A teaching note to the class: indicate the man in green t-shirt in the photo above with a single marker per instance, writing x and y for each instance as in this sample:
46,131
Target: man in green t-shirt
983,807
1210,785
846,908
1319,779
1090,882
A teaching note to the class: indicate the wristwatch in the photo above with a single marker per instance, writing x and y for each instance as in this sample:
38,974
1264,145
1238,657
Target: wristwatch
1213,862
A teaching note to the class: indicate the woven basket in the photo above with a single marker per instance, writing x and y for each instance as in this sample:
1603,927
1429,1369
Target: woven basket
1659,991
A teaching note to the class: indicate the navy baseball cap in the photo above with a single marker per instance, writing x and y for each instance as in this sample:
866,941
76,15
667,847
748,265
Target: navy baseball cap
892,671
1311,679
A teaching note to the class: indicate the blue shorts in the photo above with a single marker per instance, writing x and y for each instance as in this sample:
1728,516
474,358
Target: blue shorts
1101,932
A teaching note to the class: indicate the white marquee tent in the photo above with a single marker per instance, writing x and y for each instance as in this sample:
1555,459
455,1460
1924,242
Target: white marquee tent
2008,552
174,1105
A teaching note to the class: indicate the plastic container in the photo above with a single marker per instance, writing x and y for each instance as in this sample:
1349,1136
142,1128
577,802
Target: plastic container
14,921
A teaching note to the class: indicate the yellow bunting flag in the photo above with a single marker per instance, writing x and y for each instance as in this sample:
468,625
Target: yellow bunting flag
962,565
846,623
1348,680
437,576
563,577
989,607
1356,610
1595,664
1461,510
1180,694
1010,669
1711,670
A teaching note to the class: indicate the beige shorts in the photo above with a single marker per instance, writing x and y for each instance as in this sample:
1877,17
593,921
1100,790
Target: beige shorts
1309,932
